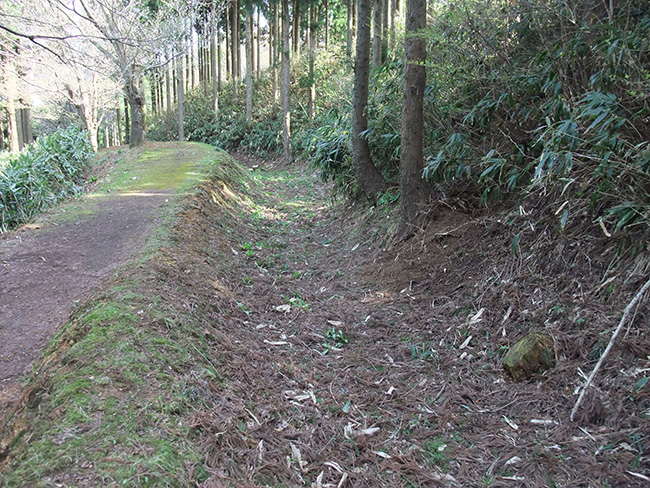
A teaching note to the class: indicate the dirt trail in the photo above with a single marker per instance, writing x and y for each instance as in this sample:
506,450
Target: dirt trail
48,267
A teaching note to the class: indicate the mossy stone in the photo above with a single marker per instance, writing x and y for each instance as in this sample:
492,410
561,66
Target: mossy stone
532,354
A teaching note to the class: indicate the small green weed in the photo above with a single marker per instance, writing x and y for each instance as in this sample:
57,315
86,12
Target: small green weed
424,352
435,452
297,301
334,339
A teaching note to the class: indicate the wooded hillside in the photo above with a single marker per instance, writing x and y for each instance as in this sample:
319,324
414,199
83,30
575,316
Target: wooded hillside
426,262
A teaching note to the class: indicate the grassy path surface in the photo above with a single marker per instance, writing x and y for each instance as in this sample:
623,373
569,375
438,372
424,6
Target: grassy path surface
48,267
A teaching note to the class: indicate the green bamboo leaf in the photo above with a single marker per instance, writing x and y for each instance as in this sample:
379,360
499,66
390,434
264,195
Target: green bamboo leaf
515,245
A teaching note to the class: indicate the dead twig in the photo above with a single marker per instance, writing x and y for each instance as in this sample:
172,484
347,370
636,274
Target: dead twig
626,312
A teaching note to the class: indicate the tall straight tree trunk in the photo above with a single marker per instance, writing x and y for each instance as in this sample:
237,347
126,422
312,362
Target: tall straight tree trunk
10,104
370,180
28,134
118,124
154,95
238,40
385,18
227,42
271,36
234,25
259,45
168,94
252,29
412,187
199,65
162,102
393,10
136,104
274,47
296,27
327,24
2,135
285,83
376,38
311,100
219,56
189,61
127,120
181,99
350,36
249,66
214,59
20,127
172,76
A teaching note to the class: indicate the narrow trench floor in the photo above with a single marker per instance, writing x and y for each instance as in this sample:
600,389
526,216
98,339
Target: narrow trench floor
327,377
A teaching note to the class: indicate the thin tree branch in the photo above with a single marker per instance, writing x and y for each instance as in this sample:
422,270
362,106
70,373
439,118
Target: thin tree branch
626,312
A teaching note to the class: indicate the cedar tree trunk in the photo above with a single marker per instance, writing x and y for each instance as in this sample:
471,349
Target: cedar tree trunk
412,186
369,178
285,82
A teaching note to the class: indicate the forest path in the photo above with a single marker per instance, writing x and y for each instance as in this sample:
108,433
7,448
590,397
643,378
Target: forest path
48,267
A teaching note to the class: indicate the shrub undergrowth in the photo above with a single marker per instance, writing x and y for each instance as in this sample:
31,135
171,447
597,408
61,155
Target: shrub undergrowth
521,98
52,169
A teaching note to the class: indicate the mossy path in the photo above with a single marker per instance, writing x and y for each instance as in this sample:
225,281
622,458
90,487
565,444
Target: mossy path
49,266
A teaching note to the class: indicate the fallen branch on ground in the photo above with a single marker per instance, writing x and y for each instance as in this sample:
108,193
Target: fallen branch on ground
626,312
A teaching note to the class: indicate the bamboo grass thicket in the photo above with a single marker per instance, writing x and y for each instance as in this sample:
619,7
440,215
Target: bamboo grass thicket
51,170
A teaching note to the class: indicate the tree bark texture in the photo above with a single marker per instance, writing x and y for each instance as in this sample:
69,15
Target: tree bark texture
311,39
168,93
285,82
326,5
350,22
368,176
259,46
393,10
219,56
118,125
412,186
227,43
275,48
180,98
28,133
296,27
251,27
216,79
127,120
238,40
2,135
249,67
87,114
376,39
20,127
136,103
234,25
